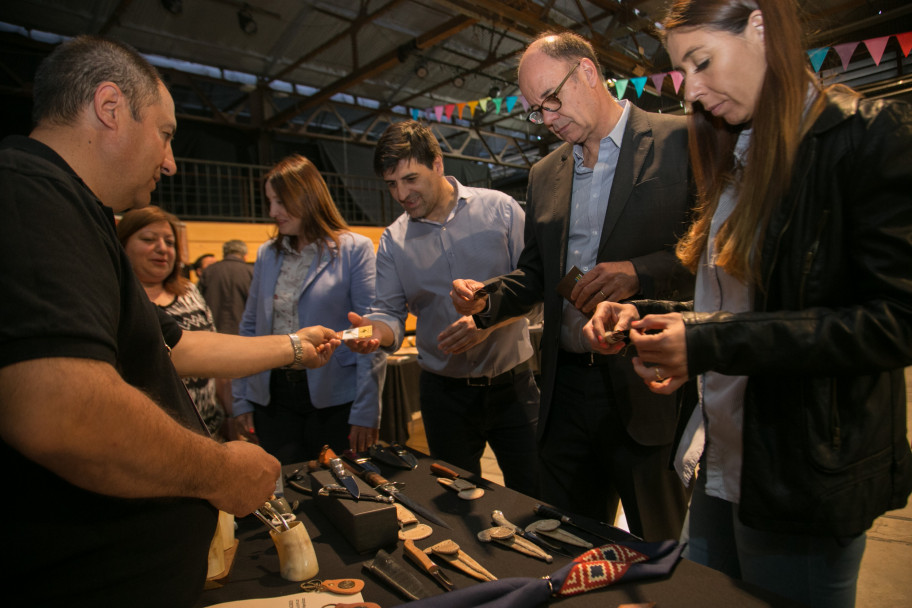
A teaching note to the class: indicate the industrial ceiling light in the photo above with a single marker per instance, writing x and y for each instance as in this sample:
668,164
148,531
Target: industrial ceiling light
494,92
459,82
422,70
246,22
173,6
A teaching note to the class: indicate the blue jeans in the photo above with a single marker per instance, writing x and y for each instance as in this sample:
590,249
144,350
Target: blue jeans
818,571
460,419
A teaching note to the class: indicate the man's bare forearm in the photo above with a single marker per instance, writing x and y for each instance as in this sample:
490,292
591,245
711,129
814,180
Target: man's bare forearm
79,419
207,354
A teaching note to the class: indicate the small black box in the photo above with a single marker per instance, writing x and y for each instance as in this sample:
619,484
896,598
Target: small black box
366,524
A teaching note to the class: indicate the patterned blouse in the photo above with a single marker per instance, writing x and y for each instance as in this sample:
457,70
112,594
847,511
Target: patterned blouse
192,314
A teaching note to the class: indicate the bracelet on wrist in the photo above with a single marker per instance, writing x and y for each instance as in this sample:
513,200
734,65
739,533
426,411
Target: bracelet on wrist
298,348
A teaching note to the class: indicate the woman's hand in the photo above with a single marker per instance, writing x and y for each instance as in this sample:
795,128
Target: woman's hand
608,317
662,351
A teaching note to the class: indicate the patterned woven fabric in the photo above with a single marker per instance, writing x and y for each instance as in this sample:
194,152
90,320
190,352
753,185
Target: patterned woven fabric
599,567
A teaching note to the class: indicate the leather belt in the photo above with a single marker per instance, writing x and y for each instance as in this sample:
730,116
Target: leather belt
590,359
481,381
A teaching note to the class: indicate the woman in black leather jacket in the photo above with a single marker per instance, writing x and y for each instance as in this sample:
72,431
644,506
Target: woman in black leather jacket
802,320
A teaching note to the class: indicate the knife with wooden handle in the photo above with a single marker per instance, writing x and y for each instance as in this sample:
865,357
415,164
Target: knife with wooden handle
427,564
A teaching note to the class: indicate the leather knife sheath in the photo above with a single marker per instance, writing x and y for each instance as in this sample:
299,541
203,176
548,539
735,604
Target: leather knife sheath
390,572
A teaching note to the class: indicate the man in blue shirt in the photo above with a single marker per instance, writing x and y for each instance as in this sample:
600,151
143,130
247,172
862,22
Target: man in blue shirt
476,385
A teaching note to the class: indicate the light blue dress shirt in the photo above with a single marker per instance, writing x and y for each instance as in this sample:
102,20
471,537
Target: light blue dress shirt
417,262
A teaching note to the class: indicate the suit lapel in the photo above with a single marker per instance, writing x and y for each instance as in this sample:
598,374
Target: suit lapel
563,193
635,147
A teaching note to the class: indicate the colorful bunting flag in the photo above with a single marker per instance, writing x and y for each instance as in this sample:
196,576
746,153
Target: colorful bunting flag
876,47
905,42
846,50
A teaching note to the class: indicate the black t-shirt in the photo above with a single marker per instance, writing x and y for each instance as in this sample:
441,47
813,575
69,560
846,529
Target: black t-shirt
67,290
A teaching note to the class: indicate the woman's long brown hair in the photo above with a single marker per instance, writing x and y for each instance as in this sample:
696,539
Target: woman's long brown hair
302,190
779,122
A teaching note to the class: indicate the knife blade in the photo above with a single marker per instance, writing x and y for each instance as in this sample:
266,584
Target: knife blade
344,477
427,564
552,513
360,461
381,484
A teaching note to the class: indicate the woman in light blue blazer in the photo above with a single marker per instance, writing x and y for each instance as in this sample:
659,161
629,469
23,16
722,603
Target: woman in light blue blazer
312,272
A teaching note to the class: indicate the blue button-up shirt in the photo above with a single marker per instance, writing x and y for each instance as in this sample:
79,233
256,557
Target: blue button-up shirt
588,205
417,262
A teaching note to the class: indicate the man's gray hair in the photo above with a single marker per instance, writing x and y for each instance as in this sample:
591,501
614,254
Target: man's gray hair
234,247
66,80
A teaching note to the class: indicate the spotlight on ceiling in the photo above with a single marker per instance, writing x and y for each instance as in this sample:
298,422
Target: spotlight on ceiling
173,6
421,71
459,82
494,92
246,22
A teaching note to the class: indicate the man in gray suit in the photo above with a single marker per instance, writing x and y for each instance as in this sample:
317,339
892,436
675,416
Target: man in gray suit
611,201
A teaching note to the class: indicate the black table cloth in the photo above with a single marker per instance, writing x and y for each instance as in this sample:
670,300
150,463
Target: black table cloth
255,572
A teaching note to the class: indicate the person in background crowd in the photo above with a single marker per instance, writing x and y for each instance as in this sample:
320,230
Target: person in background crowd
201,263
93,413
476,386
799,334
151,238
313,271
611,202
226,284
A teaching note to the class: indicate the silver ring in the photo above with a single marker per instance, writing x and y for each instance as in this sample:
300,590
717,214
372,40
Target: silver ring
659,377
604,297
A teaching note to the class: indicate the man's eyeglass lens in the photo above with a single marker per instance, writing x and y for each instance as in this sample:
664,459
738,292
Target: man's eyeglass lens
551,103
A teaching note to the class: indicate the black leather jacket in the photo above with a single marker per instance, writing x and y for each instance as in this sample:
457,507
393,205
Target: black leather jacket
825,448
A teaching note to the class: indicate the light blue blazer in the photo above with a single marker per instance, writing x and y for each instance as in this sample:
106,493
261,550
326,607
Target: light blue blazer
337,282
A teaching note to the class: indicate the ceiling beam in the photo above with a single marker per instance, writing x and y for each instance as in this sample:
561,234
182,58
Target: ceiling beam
381,64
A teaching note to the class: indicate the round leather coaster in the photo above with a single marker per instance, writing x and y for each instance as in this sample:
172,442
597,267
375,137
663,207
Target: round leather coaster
416,532
471,494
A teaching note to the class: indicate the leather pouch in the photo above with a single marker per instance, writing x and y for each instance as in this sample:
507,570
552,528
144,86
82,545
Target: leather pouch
388,570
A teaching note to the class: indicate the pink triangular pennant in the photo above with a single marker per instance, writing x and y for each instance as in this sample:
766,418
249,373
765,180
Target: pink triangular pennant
845,51
657,80
448,110
438,112
905,42
876,47
676,79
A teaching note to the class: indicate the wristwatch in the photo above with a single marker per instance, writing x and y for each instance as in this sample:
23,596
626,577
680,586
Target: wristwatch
298,350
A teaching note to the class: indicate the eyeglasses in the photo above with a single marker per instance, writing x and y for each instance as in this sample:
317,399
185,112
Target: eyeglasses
552,102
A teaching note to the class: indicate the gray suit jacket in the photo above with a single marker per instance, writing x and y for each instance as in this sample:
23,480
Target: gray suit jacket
648,210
